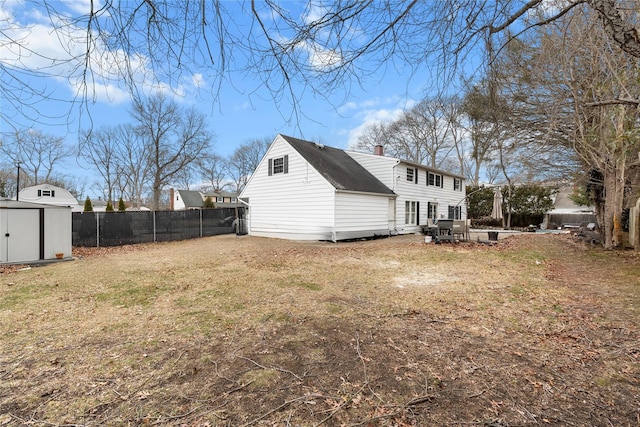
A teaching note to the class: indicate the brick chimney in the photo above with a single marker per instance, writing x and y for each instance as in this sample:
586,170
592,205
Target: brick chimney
378,150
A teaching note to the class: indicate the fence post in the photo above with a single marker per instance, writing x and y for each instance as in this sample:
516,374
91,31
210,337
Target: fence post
154,226
200,222
97,229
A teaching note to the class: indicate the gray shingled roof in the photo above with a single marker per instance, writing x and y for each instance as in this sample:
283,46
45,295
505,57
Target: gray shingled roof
337,167
191,199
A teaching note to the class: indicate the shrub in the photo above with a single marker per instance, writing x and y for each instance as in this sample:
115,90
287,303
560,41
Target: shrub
121,205
208,203
109,207
88,206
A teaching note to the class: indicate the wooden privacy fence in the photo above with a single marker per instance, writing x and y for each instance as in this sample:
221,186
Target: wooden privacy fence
124,228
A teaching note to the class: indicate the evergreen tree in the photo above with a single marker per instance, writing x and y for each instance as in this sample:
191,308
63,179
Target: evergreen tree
121,205
208,203
88,206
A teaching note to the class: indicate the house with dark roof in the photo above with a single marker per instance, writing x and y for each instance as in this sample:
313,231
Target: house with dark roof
307,191
223,199
186,199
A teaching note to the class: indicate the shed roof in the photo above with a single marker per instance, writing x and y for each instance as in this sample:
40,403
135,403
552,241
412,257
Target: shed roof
13,204
338,168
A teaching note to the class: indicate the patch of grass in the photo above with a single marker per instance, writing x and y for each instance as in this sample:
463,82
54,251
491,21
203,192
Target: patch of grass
333,308
21,295
308,285
260,378
128,294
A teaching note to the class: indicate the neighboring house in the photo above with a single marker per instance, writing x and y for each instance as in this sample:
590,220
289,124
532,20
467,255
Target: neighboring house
566,213
187,199
307,191
223,199
48,194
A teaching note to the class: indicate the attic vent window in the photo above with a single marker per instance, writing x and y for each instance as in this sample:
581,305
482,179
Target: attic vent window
278,165
46,193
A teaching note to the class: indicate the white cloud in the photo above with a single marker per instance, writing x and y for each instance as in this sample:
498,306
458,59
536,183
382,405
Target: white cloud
371,111
198,80
82,6
59,54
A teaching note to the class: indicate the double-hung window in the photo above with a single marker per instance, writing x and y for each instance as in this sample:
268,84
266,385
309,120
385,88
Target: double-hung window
412,175
434,179
455,212
279,165
457,184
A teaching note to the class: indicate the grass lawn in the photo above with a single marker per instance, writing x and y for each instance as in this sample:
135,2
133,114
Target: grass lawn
229,331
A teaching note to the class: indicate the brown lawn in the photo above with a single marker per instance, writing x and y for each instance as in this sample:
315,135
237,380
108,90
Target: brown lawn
228,331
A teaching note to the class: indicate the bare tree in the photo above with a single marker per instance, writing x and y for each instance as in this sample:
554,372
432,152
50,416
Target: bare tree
213,171
174,138
135,165
326,45
423,134
101,150
583,94
37,153
245,160
481,127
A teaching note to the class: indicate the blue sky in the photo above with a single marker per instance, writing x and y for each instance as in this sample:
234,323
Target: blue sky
244,109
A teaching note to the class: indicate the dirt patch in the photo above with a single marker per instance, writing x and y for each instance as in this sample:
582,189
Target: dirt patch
227,331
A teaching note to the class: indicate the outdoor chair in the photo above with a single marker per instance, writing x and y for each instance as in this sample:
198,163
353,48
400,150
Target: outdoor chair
461,229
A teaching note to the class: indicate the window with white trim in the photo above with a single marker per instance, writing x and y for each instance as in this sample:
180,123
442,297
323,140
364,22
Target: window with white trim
432,210
410,172
457,184
455,212
279,165
434,179
411,212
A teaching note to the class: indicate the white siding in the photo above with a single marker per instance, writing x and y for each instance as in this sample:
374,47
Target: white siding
62,197
58,233
444,196
393,173
361,215
20,231
297,205
381,167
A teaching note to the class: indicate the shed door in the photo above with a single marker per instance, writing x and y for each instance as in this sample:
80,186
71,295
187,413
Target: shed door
23,242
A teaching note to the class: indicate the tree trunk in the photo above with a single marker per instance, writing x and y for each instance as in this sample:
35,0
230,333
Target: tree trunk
612,236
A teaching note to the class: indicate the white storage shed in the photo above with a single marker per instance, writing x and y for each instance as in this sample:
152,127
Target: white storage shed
31,232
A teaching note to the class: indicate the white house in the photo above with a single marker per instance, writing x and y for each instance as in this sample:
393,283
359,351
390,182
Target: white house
423,192
33,231
49,195
188,199
185,200
307,191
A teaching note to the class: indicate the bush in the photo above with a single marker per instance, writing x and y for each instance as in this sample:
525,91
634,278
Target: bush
109,207
121,205
208,203
88,206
